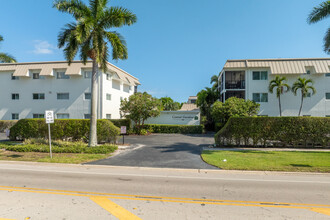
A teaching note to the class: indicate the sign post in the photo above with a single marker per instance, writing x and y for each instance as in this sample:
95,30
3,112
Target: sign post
49,120
123,132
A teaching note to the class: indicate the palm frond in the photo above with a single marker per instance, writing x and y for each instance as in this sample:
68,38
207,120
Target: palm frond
66,33
1,38
6,58
118,43
118,17
319,13
326,40
76,8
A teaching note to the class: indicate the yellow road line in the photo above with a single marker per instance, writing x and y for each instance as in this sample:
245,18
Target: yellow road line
81,193
6,219
113,208
324,209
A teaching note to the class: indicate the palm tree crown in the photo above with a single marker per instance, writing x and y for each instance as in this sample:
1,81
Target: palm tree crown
304,85
5,57
91,32
318,14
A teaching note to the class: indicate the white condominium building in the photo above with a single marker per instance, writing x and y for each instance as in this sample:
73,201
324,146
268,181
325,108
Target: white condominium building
28,89
249,79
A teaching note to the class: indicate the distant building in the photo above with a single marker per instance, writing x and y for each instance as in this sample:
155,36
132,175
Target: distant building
249,79
190,105
192,100
28,89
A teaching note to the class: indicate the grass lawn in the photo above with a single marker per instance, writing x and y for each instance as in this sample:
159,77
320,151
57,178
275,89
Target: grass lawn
296,161
57,157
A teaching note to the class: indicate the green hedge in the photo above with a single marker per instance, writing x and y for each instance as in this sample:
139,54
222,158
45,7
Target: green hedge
121,122
64,129
275,131
6,124
180,129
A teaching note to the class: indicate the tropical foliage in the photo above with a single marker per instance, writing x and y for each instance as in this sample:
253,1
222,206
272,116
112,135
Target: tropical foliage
305,85
281,87
215,82
169,105
205,99
5,57
90,34
139,107
318,14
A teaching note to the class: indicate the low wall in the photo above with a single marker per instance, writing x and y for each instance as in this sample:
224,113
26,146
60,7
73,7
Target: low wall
176,118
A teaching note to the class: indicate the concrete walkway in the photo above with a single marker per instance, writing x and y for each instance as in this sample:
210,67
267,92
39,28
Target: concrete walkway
264,149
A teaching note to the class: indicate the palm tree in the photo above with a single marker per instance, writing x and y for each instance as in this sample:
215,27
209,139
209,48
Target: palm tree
5,57
90,35
215,81
303,85
318,14
281,86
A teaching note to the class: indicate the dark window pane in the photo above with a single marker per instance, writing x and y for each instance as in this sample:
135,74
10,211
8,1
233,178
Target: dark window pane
256,97
256,75
264,75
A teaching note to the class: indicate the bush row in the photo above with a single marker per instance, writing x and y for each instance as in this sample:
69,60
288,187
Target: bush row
121,122
102,149
181,129
275,131
64,129
6,124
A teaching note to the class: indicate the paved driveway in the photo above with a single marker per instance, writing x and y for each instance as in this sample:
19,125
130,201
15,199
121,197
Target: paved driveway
163,150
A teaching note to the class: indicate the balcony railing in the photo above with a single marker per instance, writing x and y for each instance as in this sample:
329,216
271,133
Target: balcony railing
235,84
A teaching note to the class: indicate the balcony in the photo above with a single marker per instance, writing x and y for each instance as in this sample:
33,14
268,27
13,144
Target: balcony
235,80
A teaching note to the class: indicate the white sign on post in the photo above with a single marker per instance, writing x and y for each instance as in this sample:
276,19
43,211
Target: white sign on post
49,117
123,129
49,120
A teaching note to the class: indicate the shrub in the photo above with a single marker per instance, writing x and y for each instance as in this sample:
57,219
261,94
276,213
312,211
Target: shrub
180,129
275,131
121,122
64,129
6,124
61,147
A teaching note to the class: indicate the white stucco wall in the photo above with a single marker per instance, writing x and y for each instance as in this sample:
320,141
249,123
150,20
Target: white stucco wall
176,118
76,106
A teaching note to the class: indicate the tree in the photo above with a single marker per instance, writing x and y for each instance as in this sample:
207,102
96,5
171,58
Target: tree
139,107
205,99
318,14
169,105
215,81
90,35
303,85
282,87
5,57
233,107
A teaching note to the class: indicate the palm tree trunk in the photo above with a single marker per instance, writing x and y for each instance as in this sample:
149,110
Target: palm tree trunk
302,100
279,104
93,129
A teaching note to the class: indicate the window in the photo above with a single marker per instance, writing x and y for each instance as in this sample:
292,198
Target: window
327,75
108,116
87,116
15,96
38,95
327,116
62,95
121,98
260,75
308,72
88,96
308,94
108,76
327,95
88,74
38,115
14,77
62,116
61,75
37,76
260,97
135,89
14,116
108,96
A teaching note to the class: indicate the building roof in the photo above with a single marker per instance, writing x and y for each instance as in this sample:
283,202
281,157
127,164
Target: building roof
47,68
189,107
283,66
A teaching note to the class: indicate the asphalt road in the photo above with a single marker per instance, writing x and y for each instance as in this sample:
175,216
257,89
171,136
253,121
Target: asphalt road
52,191
163,150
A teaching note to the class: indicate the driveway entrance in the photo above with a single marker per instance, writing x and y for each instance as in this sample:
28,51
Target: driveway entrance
163,150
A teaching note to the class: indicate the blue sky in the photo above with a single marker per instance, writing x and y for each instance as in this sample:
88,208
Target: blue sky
176,45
